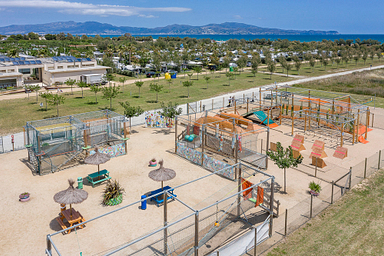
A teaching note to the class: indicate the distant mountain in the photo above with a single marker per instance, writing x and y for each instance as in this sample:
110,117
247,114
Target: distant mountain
93,28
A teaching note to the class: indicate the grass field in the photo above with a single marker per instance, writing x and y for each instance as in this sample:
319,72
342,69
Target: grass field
352,226
15,113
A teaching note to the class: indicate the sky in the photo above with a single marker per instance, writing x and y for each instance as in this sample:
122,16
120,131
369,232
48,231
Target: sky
344,16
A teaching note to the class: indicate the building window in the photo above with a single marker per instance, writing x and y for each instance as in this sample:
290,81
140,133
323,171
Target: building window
60,67
25,71
11,70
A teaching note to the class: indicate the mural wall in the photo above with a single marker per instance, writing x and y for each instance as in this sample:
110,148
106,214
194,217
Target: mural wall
156,120
208,162
112,151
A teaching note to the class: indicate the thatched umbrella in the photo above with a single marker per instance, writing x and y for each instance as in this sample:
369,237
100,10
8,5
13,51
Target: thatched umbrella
71,195
97,159
162,174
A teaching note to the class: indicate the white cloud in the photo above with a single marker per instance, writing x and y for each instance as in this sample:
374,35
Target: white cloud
90,9
238,17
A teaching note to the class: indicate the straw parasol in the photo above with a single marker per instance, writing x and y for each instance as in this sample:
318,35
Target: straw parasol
162,174
97,159
71,195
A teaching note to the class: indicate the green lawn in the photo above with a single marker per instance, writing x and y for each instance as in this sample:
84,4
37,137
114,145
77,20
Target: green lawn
318,70
15,113
352,226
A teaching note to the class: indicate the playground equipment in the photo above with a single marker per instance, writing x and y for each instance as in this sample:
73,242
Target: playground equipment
298,143
58,143
220,139
318,149
340,152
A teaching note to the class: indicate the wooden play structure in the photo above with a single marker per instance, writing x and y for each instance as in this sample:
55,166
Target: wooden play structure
340,152
298,142
224,137
318,150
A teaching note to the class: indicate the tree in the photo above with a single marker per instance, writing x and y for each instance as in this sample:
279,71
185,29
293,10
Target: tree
122,80
130,111
170,81
47,96
356,57
95,89
139,84
365,56
372,55
242,62
271,68
338,60
229,75
70,82
57,100
325,63
36,88
157,88
207,80
110,93
312,63
284,159
170,111
197,69
82,85
379,55
298,65
109,77
190,75
187,84
288,67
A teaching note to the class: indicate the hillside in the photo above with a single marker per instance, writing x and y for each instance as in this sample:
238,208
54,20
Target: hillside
91,27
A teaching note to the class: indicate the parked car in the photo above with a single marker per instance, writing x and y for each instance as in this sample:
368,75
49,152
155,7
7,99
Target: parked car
152,74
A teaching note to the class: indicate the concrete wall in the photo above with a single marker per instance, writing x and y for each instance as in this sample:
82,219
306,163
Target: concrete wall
51,78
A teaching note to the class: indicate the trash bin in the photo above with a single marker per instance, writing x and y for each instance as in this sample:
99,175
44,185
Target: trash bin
80,183
143,203
173,75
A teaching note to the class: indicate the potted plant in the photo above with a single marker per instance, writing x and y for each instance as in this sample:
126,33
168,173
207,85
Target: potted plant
314,188
23,197
153,162
113,193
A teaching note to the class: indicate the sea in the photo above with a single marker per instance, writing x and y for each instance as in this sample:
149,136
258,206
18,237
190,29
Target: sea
301,38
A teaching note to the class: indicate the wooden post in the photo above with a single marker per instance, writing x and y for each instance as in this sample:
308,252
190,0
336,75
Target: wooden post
310,210
234,110
176,135
316,167
309,109
188,109
268,119
333,106
259,98
378,164
350,178
286,222
358,125
271,208
202,143
261,148
125,136
354,129
366,123
255,245
212,104
267,148
247,105
201,106
223,102
293,106
165,223
197,233
305,121
342,133
238,191
373,118
293,123
365,168
333,184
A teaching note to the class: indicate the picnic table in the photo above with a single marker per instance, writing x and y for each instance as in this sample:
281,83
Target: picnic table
76,218
98,177
159,199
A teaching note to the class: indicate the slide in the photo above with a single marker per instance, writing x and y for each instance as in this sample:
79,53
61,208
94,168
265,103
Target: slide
362,140
263,117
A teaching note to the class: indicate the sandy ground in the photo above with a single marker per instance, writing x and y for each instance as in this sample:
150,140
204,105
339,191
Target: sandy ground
25,225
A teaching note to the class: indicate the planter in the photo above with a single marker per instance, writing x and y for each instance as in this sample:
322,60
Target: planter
314,193
24,197
115,201
152,163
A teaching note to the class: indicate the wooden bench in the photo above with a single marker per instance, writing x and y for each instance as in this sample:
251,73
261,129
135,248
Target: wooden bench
61,223
98,177
159,199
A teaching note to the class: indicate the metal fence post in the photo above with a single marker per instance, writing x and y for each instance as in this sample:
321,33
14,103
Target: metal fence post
350,178
286,222
271,207
316,168
197,233
49,245
333,184
310,210
365,168
254,249
378,163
